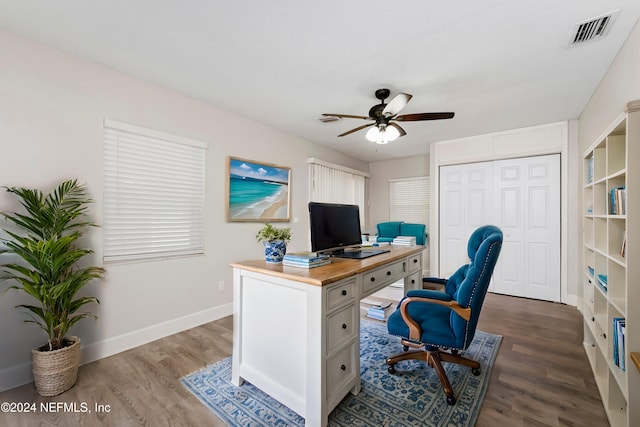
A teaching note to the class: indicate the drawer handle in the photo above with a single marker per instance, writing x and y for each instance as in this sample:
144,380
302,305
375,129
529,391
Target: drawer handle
373,279
593,319
344,326
388,273
413,281
415,261
344,292
344,368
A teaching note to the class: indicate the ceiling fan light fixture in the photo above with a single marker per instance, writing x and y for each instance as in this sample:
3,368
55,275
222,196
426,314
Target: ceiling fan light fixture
382,134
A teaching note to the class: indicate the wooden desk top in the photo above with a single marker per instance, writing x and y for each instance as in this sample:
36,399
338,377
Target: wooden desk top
340,268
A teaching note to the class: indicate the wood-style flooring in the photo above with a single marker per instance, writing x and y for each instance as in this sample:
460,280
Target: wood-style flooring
541,376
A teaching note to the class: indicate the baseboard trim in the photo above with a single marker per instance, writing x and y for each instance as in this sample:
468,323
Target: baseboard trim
18,375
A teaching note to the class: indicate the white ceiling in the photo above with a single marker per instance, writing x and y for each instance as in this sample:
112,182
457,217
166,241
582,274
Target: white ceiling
497,64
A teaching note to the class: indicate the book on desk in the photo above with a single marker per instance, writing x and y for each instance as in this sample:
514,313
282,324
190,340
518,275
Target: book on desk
305,259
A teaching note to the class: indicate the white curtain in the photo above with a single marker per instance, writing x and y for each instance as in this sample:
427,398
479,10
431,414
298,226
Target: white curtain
331,183
409,200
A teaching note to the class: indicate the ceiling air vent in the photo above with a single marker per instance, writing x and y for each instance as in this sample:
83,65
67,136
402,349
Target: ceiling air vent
593,29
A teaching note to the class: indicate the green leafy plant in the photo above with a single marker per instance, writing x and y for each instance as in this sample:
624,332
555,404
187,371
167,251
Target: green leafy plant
269,233
49,271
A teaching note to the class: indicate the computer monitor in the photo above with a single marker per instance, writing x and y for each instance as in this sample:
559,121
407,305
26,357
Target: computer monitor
334,227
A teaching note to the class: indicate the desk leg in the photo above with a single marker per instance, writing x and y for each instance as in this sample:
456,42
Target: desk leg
236,380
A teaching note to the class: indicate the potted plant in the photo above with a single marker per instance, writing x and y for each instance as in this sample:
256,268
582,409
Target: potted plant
275,242
47,269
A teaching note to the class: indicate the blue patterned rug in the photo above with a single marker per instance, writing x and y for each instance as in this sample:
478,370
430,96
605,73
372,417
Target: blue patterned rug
412,397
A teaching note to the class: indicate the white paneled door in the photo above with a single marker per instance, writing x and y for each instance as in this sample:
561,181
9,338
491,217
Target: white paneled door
522,197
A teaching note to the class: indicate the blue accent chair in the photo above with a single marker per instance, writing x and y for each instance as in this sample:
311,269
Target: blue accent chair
387,231
440,321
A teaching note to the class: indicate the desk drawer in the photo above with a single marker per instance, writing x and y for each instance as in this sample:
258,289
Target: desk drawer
341,327
341,369
377,279
414,263
341,293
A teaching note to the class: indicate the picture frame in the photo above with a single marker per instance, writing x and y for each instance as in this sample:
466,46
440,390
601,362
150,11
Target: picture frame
257,191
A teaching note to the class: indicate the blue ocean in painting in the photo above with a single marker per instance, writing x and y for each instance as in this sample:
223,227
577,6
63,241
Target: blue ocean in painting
249,198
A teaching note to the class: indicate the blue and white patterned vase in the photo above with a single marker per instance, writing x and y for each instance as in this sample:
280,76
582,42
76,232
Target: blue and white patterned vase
274,251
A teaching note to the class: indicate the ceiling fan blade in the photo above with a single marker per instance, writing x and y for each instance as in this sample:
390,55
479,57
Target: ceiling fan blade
424,116
346,116
396,104
397,126
356,129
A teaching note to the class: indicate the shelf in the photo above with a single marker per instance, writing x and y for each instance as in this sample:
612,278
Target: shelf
607,289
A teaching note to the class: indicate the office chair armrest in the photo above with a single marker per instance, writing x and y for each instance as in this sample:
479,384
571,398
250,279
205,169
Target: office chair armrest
415,332
436,280
430,294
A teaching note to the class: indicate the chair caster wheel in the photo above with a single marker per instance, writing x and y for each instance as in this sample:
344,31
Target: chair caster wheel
391,369
475,371
451,400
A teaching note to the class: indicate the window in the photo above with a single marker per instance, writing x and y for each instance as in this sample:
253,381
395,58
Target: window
153,194
332,183
409,200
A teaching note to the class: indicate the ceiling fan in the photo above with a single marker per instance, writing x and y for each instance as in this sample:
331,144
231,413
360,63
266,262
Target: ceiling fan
385,116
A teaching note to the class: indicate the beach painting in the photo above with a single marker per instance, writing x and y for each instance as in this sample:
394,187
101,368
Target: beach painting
257,191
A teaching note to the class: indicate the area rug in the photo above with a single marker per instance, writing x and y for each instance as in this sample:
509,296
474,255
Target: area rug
411,397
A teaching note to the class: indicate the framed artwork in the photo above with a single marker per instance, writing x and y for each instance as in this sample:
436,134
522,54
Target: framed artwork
257,192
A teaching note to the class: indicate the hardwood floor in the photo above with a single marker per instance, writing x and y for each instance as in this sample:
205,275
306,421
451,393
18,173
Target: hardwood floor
541,376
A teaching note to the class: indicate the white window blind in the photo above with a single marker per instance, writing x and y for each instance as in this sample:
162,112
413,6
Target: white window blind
154,194
330,183
409,200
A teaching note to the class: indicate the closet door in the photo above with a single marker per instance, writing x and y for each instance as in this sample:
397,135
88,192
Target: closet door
466,203
522,197
527,209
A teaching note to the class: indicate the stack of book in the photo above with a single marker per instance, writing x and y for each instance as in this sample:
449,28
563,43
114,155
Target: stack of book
405,240
377,310
305,259
619,332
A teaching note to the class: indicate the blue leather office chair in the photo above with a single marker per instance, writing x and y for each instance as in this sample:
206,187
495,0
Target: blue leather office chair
440,321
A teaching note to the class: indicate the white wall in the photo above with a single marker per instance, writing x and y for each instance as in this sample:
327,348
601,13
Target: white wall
620,85
52,107
381,173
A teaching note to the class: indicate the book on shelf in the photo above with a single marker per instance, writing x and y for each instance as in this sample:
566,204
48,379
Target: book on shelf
602,281
623,247
619,331
405,240
590,170
618,201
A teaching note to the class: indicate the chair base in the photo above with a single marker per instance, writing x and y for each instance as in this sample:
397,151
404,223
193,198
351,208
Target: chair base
434,358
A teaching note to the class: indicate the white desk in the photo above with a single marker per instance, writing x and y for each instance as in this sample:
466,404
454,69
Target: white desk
296,332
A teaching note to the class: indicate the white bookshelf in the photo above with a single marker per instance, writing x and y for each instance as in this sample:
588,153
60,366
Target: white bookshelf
612,162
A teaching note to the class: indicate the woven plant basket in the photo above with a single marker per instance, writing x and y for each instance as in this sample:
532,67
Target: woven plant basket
56,371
